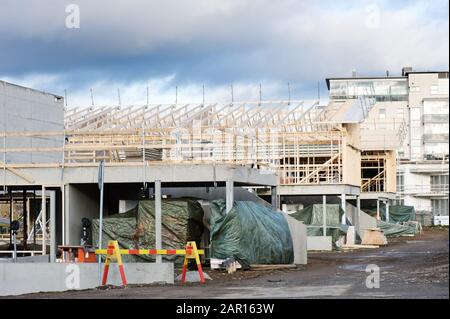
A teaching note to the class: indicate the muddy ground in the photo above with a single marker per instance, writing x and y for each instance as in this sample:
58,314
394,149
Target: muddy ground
410,267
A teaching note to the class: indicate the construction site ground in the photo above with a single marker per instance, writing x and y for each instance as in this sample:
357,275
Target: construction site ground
410,267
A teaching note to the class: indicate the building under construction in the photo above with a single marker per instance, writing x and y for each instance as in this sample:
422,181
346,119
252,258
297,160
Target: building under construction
289,154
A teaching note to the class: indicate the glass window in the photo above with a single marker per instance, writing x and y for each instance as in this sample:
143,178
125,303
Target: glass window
440,207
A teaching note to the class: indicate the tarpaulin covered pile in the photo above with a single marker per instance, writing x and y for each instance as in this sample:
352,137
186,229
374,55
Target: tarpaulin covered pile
396,230
312,216
181,222
251,233
399,216
397,213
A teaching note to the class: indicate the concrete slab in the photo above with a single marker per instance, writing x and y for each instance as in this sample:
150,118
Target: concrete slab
320,189
319,243
25,278
174,173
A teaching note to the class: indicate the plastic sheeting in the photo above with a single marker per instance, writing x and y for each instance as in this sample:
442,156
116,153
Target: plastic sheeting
251,233
181,222
312,216
397,213
396,230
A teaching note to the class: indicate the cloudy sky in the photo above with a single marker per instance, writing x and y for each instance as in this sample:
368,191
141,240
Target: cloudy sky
161,44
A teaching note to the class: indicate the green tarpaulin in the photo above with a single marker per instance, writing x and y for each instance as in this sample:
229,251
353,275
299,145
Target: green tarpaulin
181,222
312,217
251,233
397,213
395,230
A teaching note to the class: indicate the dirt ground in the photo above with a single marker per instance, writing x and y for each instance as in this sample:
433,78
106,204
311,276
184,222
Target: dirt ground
409,267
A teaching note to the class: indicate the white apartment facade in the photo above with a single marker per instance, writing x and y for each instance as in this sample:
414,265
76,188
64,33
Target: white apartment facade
416,106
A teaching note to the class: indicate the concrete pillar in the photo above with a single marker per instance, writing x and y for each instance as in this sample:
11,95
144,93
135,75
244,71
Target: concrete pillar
158,219
358,213
229,195
324,213
387,211
378,209
344,220
44,219
52,226
274,197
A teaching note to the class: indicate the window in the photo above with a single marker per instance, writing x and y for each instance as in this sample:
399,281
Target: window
440,207
434,89
439,183
414,89
400,182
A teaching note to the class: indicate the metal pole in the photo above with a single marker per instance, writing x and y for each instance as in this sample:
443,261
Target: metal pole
10,215
289,93
158,219
100,228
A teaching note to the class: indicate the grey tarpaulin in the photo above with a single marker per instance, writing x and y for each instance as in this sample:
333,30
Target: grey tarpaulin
312,216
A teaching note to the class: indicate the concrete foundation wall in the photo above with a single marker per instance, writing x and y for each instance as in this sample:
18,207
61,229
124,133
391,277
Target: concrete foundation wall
17,279
319,243
299,239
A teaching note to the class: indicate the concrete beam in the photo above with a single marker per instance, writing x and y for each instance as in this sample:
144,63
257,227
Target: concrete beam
374,195
318,190
178,173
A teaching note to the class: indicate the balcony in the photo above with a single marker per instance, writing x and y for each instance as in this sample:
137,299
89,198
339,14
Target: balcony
439,190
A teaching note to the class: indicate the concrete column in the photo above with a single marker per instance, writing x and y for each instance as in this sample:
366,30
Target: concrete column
387,211
324,213
52,226
44,219
344,221
378,209
158,219
358,213
274,198
229,195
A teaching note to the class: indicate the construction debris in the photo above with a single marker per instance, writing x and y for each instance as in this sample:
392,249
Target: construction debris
374,236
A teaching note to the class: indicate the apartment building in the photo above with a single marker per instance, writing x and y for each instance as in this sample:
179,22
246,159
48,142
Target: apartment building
408,124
